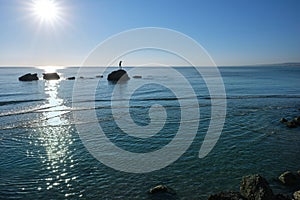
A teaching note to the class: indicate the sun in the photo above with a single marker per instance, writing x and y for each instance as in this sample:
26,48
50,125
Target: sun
46,10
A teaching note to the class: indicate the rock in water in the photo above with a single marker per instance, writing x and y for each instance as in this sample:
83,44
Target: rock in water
226,196
71,78
283,120
162,192
297,120
29,77
51,76
288,178
118,75
255,187
161,188
291,124
297,195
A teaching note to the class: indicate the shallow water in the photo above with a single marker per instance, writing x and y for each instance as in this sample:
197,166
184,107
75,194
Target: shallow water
44,157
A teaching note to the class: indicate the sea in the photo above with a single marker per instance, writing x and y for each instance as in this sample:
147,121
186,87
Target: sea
45,154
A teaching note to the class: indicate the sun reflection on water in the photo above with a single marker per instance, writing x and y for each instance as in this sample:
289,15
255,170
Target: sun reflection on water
55,141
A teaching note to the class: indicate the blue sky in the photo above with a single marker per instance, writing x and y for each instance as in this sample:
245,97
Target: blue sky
234,32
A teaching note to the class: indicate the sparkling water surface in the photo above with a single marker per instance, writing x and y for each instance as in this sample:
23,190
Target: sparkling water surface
42,156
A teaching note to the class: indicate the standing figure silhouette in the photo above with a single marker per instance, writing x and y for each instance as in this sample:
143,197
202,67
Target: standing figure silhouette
120,64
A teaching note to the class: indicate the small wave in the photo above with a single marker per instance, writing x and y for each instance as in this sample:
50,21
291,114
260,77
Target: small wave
2,103
25,111
17,94
254,97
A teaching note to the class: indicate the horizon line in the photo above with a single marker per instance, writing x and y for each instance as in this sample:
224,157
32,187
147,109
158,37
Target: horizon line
243,65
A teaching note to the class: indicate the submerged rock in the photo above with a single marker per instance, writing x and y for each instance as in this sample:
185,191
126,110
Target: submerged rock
161,188
282,197
118,75
227,196
256,187
137,76
29,77
288,178
162,192
51,76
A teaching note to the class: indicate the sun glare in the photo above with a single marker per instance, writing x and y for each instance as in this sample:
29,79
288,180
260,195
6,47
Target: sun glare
46,10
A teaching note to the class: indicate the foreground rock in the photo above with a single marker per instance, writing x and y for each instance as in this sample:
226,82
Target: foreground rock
29,77
297,195
118,75
51,76
227,196
288,178
253,187
162,192
256,187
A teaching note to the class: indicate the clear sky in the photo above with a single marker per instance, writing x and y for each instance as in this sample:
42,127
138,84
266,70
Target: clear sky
234,32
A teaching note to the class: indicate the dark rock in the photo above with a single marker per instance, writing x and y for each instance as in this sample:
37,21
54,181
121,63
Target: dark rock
255,187
137,76
99,76
297,195
283,120
118,75
51,76
227,196
71,78
29,77
282,197
288,178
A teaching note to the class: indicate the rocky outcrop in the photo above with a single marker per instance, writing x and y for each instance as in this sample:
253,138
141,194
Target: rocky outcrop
227,196
29,77
118,75
256,187
71,78
288,178
51,76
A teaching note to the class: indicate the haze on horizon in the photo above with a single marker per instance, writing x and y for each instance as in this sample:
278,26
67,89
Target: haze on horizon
63,32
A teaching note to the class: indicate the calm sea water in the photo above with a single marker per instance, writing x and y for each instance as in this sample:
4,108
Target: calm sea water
43,157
